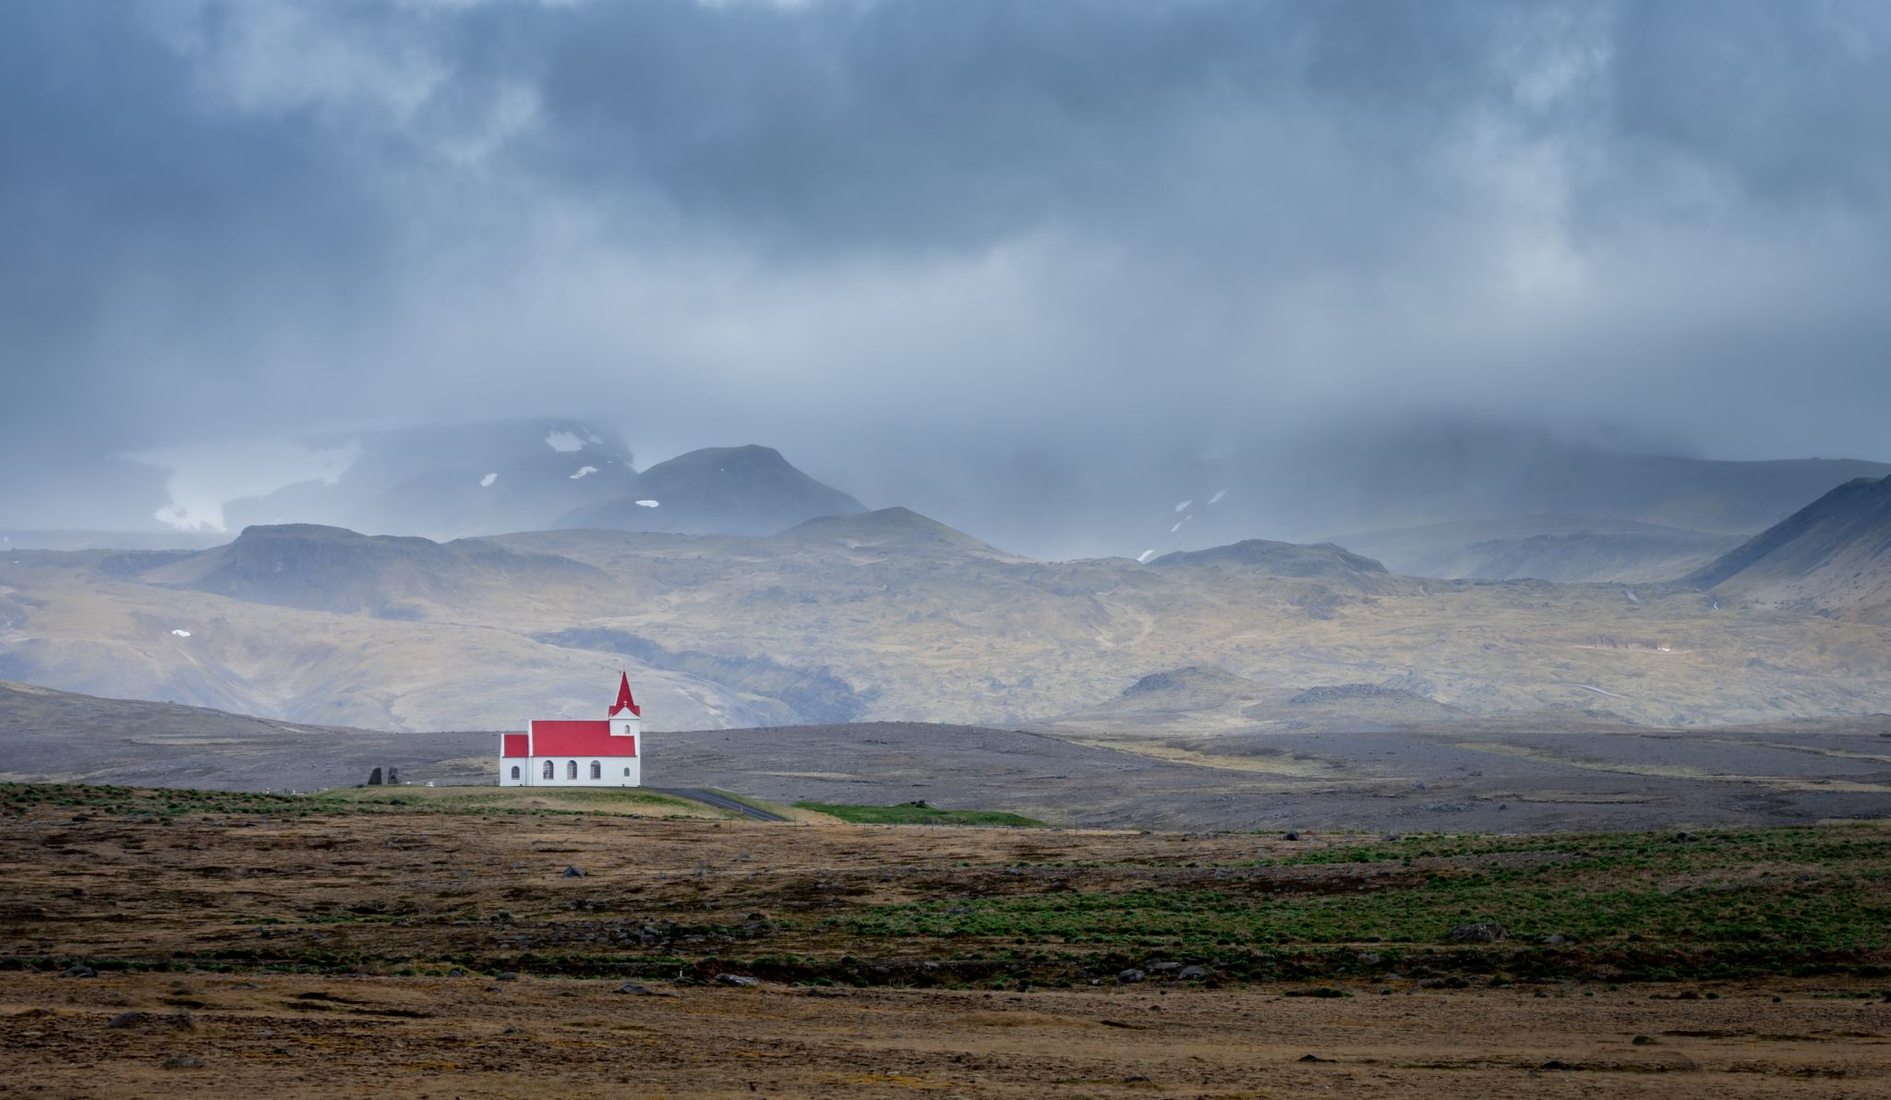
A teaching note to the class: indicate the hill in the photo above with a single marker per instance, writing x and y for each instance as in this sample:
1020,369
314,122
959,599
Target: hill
452,480
57,735
748,490
331,569
1566,549
1834,555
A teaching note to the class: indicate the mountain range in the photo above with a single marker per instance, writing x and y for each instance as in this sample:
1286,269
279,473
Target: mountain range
1473,501
892,615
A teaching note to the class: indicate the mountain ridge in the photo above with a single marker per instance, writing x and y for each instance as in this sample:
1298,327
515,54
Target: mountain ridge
1833,555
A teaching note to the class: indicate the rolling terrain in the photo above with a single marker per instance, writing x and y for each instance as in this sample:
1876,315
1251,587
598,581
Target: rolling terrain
1458,775
891,615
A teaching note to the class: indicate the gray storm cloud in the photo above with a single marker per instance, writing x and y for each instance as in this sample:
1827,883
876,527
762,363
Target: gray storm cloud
864,229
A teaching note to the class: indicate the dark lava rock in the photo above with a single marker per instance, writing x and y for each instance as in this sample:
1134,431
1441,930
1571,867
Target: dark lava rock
634,988
1488,931
78,970
1190,973
1130,976
736,979
573,872
186,1061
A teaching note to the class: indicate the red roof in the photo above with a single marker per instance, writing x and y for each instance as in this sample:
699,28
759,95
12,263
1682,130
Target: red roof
587,737
624,701
515,745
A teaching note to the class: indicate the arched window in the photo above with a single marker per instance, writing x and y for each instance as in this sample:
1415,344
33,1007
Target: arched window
597,770
515,771
571,769
549,773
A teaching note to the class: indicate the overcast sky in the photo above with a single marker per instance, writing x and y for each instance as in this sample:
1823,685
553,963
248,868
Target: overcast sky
859,224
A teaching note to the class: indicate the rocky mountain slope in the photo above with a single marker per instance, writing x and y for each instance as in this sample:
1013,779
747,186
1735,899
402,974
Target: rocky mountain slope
1571,549
717,490
888,615
453,481
331,569
1834,556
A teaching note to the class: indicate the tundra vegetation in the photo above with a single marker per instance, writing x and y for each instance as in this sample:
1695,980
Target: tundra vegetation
472,879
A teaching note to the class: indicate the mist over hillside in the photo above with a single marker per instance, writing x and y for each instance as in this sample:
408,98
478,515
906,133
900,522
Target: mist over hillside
383,364
1465,500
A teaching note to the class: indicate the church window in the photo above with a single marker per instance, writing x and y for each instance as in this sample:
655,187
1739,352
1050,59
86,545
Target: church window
597,770
515,771
549,773
571,769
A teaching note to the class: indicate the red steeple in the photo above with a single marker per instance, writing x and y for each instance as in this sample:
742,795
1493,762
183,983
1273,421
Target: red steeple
624,701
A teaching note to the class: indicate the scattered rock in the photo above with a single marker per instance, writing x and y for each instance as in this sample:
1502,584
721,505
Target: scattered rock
1488,931
1556,939
1164,967
184,1061
737,979
1643,1040
1135,1079
179,1020
78,970
572,871
1313,1058
633,987
1130,976
1290,835
506,976
1190,973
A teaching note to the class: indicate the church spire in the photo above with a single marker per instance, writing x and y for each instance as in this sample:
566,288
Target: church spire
624,701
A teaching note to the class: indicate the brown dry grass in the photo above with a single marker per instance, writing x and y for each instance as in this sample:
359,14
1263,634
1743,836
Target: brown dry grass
418,913
298,1036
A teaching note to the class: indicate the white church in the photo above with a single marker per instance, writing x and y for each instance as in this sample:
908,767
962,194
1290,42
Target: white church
596,752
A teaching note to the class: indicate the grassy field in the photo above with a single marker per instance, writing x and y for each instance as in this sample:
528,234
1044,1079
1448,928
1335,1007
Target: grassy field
918,813
1660,907
472,943
974,906
18,798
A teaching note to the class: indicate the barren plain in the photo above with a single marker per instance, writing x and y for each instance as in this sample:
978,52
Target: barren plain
175,942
